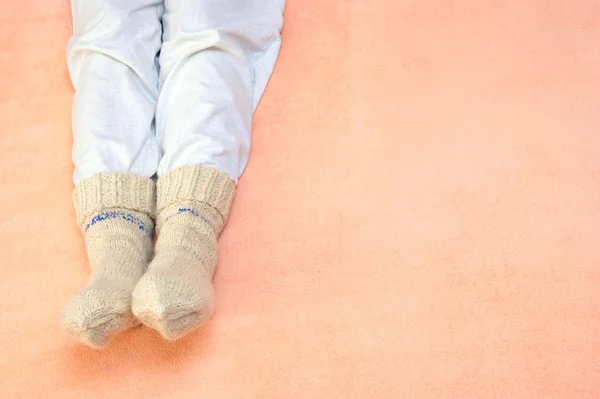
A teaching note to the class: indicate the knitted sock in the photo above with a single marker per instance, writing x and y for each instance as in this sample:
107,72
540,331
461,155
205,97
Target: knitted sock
176,295
114,210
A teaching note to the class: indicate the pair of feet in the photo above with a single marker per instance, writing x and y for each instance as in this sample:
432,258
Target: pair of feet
171,293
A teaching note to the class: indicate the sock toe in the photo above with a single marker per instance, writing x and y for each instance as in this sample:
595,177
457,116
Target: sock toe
170,306
93,316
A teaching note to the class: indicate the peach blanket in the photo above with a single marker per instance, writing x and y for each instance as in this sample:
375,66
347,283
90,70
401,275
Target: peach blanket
420,217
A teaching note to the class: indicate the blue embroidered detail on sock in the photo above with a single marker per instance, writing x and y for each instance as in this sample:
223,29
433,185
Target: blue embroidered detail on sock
191,211
119,215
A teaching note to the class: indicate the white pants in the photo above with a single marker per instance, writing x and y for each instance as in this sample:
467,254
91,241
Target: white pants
164,84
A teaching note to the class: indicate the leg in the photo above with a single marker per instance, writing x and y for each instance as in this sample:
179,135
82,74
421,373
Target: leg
216,59
111,59
112,63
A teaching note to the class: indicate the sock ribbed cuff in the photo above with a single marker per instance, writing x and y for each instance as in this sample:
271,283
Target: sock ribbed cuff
114,190
196,183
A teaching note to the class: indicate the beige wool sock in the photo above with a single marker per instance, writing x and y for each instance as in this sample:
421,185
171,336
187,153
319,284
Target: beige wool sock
115,212
176,295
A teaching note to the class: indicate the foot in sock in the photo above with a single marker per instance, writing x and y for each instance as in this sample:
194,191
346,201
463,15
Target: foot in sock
114,212
175,295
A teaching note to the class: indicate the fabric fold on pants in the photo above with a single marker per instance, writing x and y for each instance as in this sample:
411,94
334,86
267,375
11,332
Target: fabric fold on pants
165,85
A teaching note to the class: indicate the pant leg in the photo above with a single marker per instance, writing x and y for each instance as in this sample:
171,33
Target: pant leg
215,62
112,61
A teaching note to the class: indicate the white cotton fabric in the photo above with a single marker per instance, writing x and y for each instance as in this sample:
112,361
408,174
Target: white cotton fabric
165,84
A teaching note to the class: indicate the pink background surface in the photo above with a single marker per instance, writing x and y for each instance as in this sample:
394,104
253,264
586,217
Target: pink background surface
420,217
